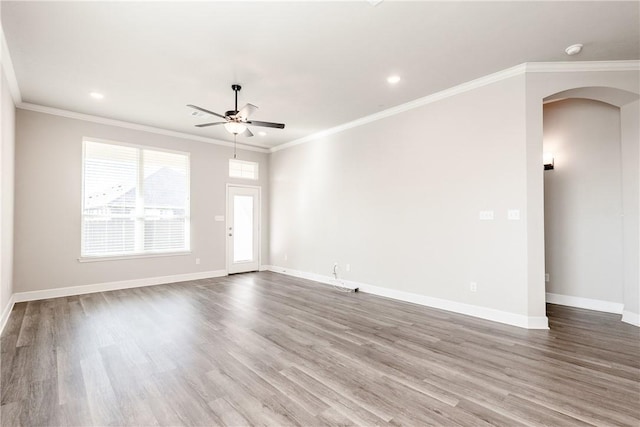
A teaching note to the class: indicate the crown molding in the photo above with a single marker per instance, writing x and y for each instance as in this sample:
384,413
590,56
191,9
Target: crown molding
134,126
586,66
527,67
7,67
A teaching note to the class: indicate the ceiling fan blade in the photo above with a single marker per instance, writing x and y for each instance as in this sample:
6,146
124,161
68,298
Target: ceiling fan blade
266,124
195,107
247,133
246,111
210,124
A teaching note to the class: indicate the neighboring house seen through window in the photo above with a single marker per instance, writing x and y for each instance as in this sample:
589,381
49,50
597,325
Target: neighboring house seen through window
135,200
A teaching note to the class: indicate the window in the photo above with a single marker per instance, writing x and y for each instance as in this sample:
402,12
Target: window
243,169
135,201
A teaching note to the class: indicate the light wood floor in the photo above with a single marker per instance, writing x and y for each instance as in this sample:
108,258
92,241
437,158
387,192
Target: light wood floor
267,349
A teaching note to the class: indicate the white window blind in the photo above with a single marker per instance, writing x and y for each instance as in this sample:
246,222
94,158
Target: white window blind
243,169
135,201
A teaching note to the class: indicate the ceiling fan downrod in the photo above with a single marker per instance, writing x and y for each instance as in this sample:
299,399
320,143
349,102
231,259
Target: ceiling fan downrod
236,88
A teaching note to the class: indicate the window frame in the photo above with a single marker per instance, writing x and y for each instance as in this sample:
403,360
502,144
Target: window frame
140,190
246,162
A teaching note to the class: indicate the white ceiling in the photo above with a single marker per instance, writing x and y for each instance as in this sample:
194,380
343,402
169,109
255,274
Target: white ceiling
311,65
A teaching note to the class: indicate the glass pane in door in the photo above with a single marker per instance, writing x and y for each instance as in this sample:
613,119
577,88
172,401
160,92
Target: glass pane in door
243,232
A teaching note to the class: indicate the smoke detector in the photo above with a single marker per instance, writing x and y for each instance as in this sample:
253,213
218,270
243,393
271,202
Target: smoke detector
574,49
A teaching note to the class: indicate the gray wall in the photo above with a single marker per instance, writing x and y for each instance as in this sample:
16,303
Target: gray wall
398,199
583,200
630,115
48,204
7,131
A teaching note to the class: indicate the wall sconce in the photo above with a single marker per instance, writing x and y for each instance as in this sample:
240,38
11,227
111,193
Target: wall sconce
547,159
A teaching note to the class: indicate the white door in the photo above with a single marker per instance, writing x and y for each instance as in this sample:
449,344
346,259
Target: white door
243,229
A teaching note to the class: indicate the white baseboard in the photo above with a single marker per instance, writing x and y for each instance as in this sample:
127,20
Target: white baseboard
529,322
112,286
6,313
631,318
587,303
315,277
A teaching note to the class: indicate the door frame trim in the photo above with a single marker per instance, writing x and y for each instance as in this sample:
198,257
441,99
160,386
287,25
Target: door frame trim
227,219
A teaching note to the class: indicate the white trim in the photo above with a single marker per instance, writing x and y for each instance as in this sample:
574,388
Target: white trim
9,71
527,67
631,318
328,280
228,220
133,256
529,322
582,66
6,313
134,126
112,286
587,303
248,163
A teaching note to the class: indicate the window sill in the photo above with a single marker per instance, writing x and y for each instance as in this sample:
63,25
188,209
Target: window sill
136,256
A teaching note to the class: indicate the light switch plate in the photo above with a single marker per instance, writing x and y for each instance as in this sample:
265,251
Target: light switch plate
513,214
219,218
486,215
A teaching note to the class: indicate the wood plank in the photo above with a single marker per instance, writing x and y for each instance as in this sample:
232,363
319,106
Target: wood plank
268,349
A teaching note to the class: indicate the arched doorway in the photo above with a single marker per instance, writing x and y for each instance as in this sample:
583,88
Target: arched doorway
592,198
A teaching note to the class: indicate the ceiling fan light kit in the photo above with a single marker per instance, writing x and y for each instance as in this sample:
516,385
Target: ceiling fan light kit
236,121
235,128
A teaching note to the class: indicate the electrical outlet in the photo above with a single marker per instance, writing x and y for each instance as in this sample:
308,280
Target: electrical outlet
513,214
286,257
197,260
473,287
348,267
546,277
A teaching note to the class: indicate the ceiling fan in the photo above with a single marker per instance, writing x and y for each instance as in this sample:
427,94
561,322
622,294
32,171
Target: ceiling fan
236,121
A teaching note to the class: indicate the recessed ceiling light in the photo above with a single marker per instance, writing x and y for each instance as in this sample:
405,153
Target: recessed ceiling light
574,49
393,79
96,95
262,133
